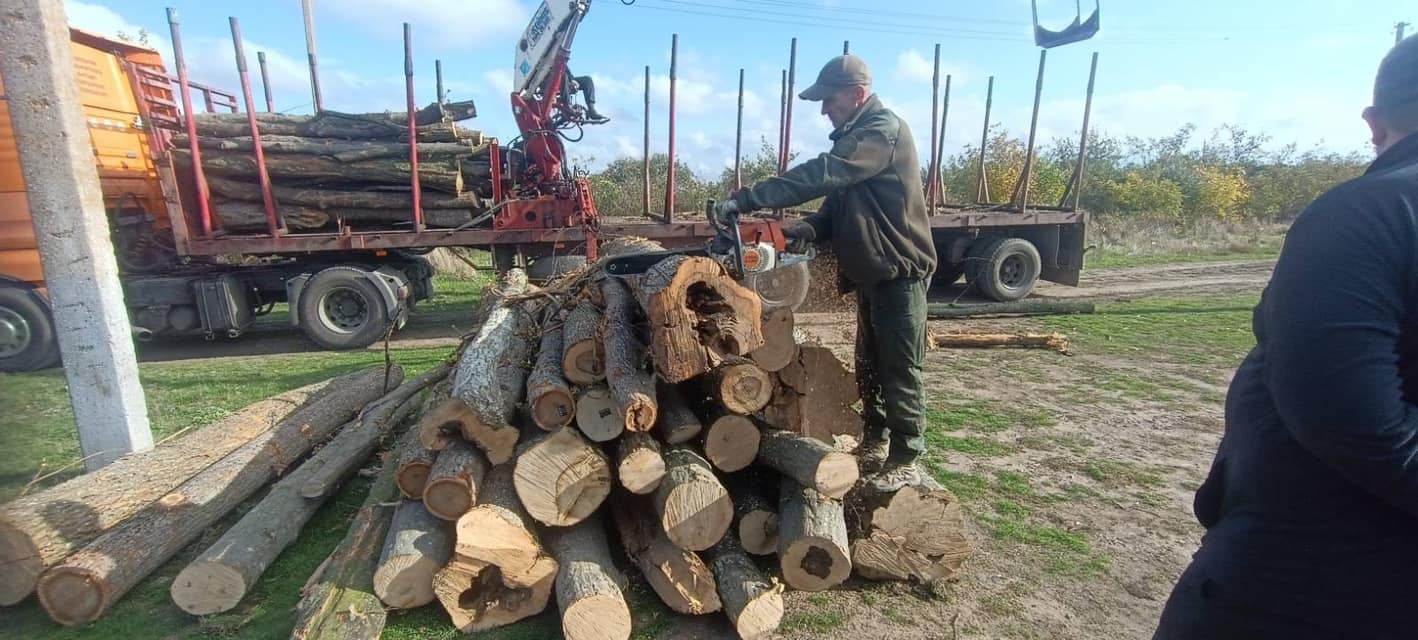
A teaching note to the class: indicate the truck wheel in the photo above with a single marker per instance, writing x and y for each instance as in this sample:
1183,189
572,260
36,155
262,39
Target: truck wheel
341,309
946,274
1005,269
547,268
27,338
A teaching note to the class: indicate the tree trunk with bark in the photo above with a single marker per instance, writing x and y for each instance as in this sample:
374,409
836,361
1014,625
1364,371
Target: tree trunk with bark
813,553
333,124
677,423
683,582
417,546
341,199
40,529
588,586
492,372
237,215
697,315
335,149
693,506
810,462
448,176
477,599
753,603
582,358
548,394
499,533
632,386
755,512
84,586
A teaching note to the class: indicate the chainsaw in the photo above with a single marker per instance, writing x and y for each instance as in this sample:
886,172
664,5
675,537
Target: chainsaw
754,252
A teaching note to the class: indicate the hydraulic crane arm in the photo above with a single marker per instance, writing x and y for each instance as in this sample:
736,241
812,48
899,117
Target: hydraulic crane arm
542,101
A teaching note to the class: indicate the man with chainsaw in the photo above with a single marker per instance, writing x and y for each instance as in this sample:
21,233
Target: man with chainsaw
875,218
1311,505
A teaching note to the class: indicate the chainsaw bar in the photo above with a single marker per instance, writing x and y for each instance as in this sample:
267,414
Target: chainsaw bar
638,263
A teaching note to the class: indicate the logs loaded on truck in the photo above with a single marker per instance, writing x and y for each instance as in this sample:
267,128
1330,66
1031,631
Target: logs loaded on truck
684,440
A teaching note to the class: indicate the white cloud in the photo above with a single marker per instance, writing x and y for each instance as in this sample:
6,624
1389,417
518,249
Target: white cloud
451,23
915,67
499,80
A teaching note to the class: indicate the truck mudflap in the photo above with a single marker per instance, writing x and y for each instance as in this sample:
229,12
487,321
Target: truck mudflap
393,286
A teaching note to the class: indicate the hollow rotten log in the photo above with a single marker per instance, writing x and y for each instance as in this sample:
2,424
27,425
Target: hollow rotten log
679,577
697,315
499,532
694,508
588,586
417,546
753,603
39,529
477,599
632,386
83,586
548,394
813,552
453,481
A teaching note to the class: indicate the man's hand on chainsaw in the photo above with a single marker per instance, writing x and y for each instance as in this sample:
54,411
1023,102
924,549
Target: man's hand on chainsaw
800,236
724,211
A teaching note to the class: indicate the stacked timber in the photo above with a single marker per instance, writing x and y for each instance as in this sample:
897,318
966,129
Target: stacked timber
557,462
334,170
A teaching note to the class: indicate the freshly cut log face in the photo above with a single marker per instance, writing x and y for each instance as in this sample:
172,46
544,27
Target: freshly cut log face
452,487
596,415
731,442
582,358
916,534
641,466
694,507
417,546
756,513
562,479
779,347
697,314
816,396
810,462
812,539
412,475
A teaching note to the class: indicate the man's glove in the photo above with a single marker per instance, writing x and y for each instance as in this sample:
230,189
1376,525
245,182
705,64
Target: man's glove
800,236
724,211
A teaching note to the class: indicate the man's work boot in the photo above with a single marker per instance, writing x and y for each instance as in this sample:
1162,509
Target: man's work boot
871,454
896,475
595,117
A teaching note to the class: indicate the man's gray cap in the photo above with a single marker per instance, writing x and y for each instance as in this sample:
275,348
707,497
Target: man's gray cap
840,72
1396,85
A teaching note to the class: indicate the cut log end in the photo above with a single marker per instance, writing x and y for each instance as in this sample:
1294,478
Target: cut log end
562,479
596,415
641,467
815,564
448,498
413,479
584,363
697,514
731,442
761,616
836,474
640,413
402,582
758,530
22,565
73,596
204,588
476,598
741,387
779,348
554,408
596,617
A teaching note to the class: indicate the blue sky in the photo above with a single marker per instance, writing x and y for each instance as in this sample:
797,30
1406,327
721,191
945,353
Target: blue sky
1300,70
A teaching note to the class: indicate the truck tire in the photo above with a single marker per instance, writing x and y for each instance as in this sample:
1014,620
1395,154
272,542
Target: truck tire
547,268
1004,269
341,309
27,336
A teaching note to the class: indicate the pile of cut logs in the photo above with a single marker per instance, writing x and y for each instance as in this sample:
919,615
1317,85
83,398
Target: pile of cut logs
333,169
662,421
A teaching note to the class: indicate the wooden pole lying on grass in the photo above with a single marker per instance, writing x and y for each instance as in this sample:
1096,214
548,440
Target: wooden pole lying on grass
1026,307
1052,341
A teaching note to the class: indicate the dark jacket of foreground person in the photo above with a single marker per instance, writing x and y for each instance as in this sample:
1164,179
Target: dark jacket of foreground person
1311,506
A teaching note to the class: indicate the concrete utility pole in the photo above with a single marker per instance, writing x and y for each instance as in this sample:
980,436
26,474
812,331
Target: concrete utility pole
1398,31
57,161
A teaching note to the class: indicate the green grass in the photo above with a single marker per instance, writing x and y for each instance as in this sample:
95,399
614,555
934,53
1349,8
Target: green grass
813,621
1208,330
1106,259
1119,473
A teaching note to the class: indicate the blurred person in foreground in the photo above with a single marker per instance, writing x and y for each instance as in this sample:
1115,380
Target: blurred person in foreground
1311,505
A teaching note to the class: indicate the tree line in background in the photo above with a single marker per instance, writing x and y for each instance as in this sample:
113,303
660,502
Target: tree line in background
1232,175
